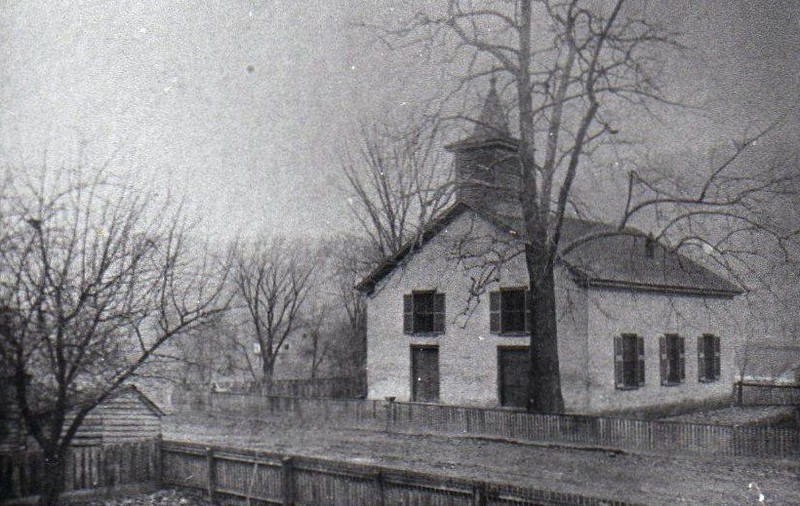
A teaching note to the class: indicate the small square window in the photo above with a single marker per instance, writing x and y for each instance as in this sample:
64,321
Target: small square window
508,311
423,312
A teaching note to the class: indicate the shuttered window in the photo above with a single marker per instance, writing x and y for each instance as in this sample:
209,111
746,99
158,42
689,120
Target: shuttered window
709,363
424,313
672,354
509,311
629,361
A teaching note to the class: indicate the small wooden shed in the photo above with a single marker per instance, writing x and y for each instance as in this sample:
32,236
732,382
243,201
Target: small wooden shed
127,415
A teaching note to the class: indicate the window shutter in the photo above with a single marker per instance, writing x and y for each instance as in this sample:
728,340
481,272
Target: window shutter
408,314
438,312
528,314
664,360
701,360
717,358
682,351
640,363
619,378
494,312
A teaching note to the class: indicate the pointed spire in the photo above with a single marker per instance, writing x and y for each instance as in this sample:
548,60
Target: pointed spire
492,122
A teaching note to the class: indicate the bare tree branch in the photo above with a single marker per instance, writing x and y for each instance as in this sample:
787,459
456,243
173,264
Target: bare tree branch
273,279
84,299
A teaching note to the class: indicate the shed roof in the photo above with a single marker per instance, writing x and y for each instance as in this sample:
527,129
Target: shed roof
152,406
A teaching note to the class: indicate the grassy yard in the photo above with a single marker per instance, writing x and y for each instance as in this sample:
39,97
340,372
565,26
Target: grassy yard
775,416
656,480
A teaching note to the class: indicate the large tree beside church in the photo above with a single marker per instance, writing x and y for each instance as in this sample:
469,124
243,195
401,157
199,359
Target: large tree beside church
566,69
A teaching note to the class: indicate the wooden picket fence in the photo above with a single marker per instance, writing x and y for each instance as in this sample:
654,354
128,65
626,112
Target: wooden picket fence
88,467
593,431
333,388
347,412
345,387
604,432
274,478
760,394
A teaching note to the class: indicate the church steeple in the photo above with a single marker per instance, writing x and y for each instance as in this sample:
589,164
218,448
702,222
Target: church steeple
486,162
492,122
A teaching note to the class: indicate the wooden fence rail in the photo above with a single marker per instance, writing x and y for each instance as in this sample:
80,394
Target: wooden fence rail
287,479
88,467
618,433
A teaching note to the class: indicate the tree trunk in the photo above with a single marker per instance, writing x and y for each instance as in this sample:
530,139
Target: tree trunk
53,476
544,382
267,371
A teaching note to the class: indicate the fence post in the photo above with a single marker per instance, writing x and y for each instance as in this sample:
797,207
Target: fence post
737,442
69,470
389,412
479,495
287,477
379,485
210,475
159,460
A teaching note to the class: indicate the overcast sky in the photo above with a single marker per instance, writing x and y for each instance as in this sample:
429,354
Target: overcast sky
243,106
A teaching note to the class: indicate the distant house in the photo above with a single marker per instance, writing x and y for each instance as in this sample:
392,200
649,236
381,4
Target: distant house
127,415
639,325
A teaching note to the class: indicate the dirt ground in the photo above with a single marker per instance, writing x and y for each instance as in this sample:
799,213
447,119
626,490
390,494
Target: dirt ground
168,497
755,415
647,479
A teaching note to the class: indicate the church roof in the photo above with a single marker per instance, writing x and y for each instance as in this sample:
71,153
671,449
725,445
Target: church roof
632,260
614,258
619,259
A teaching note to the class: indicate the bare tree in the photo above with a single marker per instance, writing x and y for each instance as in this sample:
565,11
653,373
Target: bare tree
93,281
216,352
569,69
316,337
345,267
397,184
272,280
